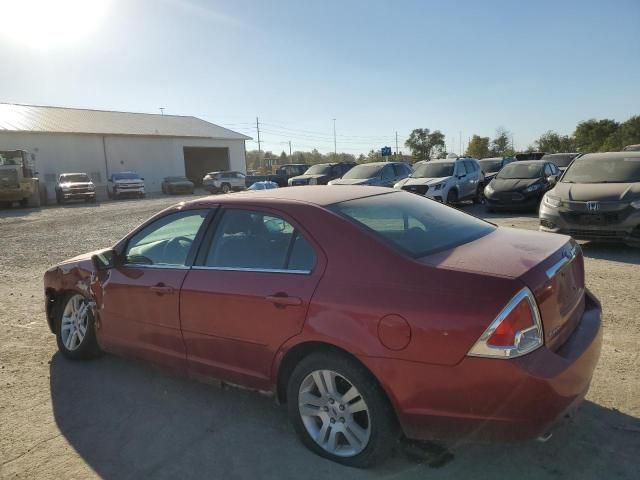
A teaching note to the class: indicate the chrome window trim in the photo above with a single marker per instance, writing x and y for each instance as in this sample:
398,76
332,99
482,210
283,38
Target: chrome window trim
158,265
258,270
567,257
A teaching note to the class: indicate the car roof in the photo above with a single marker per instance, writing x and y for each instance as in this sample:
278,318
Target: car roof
440,160
321,195
604,155
528,162
74,173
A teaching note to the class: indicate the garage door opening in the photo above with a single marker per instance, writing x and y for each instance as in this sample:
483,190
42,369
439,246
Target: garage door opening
198,161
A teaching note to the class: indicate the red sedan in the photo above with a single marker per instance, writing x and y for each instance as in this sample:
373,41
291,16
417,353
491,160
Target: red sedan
371,313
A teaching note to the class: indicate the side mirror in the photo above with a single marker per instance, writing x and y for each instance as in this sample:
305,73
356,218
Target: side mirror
552,180
104,260
142,178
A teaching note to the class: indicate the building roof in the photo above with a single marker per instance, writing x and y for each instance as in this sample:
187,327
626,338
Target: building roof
35,118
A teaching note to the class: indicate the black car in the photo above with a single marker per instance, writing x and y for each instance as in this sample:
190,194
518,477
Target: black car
529,156
322,173
282,175
521,185
560,160
492,165
597,198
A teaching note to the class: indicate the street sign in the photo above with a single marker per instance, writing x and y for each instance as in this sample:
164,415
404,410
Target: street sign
386,151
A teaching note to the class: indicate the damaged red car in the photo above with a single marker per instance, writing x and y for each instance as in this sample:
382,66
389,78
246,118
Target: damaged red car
371,313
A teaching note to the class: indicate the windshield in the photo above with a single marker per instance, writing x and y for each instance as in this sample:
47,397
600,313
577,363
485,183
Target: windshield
603,170
363,171
559,160
519,170
126,176
78,177
320,169
490,165
433,170
413,224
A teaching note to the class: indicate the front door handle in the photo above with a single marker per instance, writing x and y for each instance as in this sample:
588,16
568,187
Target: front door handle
161,289
282,301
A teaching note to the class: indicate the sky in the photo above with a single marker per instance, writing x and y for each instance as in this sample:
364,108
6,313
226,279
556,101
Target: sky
376,67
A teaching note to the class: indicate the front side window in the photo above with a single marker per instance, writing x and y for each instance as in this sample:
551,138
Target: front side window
166,241
252,240
461,170
413,224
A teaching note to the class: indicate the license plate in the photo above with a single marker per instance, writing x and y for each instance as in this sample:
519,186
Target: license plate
591,219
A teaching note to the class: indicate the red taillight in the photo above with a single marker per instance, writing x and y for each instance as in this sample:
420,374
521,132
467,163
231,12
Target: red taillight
516,331
518,319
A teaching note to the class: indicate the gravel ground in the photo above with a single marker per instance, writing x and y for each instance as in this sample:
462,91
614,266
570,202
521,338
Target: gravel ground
113,418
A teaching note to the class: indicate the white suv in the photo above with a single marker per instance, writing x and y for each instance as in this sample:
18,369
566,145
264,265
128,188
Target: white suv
449,181
223,182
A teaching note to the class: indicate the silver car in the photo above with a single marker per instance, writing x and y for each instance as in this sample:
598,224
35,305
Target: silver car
224,182
449,181
380,174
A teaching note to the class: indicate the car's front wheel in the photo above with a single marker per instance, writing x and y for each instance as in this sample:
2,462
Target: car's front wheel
226,188
75,328
339,411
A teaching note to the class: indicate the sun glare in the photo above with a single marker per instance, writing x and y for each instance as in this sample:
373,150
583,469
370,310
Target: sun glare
45,24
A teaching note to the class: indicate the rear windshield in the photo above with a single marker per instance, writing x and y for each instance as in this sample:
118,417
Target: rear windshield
363,171
559,160
433,170
319,170
490,165
413,224
81,177
603,170
519,170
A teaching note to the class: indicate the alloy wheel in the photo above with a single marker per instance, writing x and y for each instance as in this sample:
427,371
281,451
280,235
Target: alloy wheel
334,413
74,323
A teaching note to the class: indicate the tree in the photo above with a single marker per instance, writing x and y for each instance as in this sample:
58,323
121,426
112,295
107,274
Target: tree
552,142
500,144
424,144
596,135
478,147
627,134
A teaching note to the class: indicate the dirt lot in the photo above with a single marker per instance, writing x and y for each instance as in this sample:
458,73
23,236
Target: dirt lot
118,419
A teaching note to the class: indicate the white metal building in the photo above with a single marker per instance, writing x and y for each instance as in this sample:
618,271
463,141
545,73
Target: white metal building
103,142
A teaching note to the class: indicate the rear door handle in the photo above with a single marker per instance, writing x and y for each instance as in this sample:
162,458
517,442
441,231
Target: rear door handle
283,300
161,289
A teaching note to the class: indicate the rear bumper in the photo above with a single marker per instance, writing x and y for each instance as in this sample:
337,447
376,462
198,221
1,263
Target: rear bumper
493,399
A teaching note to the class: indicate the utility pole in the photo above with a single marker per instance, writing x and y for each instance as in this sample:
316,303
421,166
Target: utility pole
460,143
397,151
161,110
258,129
335,145
289,148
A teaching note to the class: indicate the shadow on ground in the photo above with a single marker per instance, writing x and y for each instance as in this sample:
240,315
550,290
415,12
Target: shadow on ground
129,421
614,252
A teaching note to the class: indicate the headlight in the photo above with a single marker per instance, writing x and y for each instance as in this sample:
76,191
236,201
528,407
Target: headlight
636,203
533,188
552,202
313,181
488,190
438,187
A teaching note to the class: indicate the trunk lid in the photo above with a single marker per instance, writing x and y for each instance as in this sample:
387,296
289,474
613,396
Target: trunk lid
551,265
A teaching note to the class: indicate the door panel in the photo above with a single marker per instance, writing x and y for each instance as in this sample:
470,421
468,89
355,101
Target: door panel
136,320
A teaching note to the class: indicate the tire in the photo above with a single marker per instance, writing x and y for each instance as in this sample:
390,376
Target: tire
69,342
375,422
58,198
452,197
225,188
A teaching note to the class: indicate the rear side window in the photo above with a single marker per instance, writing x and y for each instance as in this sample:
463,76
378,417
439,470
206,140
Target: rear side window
252,240
413,224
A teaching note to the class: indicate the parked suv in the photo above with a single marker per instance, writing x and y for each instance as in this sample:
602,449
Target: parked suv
597,198
122,184
491,166
75,186
322,173
449,181
224,182
381,174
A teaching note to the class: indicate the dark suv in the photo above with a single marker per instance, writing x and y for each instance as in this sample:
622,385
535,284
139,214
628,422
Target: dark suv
597,198
322,173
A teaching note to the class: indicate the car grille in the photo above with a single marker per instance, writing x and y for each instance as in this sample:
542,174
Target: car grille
8,178
419,189
507,196
128,187
606,218
596,234
78,189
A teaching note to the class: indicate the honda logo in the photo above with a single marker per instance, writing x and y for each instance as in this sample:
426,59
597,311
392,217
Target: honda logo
593,206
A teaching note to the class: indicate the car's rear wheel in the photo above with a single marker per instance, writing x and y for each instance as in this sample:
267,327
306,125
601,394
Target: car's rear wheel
226,188
75,328
339,411
452,197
